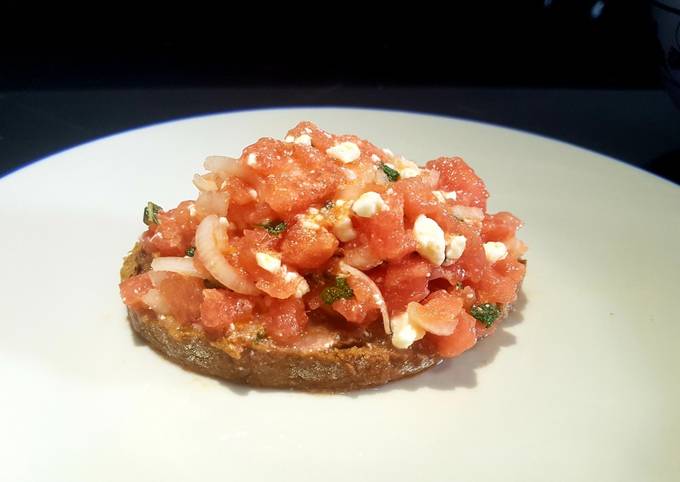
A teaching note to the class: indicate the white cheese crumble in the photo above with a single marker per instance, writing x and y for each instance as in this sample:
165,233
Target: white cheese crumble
404,333
430,241
343,229
192,210
289,139
223,221
268,262
309,224
409,172
303,139
252,159
344,152
455,245
375,158
302,288
369,204
495,251
253,193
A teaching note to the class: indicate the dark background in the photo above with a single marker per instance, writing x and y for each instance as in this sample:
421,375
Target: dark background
584,71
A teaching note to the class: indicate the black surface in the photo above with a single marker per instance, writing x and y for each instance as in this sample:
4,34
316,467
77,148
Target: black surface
641,127
535,43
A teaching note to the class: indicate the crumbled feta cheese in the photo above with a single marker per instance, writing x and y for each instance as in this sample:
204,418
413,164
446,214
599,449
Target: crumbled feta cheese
309,224
340,202
252,159
409,172
192,210
369,204
404,333
289,139
304,139
268,262
223,221
455,245
302,288
308,130
313,211
253,193
344,230
375,158
430,242
495,251
388,152
451,195
344,152
289,276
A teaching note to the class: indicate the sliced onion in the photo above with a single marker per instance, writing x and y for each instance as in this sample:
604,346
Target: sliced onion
375,291
230,166
214,262
154,300
204,184
176,264
468,214
212,203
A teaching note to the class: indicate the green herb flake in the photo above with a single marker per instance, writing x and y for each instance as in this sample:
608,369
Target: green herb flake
331,294
459,285
328,204
260,336
274,227
487,313
190,251
151,213
392,174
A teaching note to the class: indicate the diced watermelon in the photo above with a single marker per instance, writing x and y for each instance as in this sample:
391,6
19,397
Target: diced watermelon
456,175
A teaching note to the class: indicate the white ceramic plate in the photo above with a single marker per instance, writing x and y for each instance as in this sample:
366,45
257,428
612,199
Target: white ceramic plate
582,384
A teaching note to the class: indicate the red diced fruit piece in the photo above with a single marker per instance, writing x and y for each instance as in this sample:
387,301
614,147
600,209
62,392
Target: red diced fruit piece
174,232
358,253
385,231
456,175
246,247
405,281
221,308
251,216
134,288
472,263
183,295
307,248
293,176
285,320
500,282
438,314
499,227
463,337
360,308
239,192
417,195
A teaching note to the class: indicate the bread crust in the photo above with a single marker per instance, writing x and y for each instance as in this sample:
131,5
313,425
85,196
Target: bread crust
336,369
368,362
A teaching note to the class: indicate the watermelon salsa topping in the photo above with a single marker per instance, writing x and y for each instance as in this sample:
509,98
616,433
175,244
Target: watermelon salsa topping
321,228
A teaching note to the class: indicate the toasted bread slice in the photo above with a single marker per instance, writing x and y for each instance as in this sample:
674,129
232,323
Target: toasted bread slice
354,360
